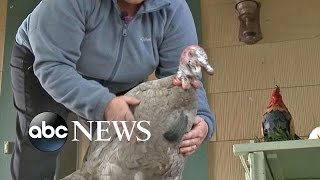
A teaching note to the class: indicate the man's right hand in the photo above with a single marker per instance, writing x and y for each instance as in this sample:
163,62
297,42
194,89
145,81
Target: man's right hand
118,108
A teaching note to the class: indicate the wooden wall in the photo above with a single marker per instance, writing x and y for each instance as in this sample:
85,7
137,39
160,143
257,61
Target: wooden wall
3,17
289,56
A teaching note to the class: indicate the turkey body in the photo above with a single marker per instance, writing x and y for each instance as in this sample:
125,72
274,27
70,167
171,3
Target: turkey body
170,111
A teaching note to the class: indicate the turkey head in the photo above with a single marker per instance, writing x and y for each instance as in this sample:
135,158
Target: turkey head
192,60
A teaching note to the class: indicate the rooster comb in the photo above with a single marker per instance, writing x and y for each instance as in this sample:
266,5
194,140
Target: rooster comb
276,98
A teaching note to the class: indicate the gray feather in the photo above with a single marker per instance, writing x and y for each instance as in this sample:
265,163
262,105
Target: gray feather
171,111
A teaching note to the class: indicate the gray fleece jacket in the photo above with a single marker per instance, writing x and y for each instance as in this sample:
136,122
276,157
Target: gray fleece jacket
72,38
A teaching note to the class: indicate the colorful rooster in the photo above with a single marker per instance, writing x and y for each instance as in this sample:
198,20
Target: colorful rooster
277,124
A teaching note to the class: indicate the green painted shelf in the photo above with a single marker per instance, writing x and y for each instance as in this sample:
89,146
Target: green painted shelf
282,160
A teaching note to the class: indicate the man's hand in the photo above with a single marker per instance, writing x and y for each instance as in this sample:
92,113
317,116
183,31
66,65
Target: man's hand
193,139
118,108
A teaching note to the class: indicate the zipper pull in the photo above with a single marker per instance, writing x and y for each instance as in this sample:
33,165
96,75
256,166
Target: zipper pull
125,30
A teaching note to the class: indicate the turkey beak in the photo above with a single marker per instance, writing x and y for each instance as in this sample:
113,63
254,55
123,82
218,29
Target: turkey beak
204,63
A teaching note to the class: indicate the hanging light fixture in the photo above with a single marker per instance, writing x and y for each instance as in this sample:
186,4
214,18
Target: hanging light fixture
248,13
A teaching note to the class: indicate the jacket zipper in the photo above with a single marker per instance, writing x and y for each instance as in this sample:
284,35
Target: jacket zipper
119,57
124,34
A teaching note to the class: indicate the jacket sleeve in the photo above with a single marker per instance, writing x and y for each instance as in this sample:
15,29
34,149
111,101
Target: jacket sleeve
55,34
179,33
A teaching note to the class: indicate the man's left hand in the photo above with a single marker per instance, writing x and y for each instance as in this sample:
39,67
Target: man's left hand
193,139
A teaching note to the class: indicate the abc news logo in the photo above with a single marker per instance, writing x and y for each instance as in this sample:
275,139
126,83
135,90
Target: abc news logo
48,131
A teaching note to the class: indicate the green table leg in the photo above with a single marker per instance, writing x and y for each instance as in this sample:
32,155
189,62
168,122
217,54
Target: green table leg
258,166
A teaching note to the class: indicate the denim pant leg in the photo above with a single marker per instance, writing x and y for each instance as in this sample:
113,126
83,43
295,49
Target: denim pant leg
30,99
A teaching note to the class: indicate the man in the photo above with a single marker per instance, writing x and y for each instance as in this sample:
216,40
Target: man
82,55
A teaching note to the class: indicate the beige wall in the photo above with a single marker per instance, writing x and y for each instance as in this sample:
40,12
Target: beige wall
3,15
289,56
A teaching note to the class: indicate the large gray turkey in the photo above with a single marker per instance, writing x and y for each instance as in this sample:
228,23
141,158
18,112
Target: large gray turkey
170,110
